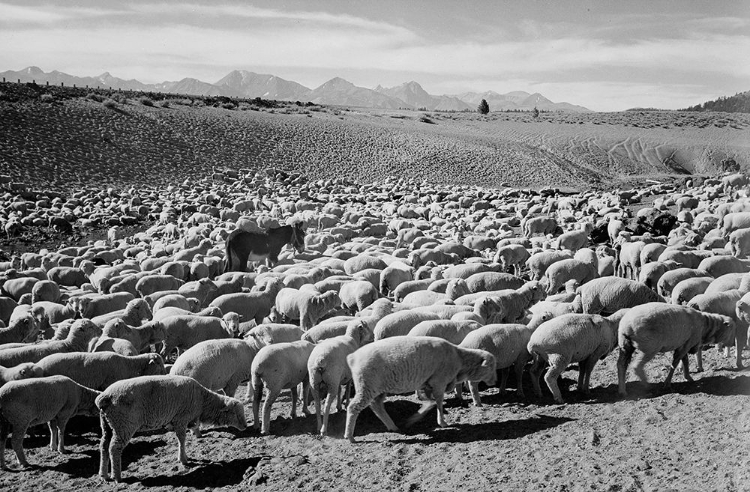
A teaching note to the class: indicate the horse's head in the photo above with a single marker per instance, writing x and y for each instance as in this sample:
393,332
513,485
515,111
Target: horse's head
298,237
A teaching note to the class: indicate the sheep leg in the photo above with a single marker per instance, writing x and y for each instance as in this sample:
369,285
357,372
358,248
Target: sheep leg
361,400
103,448
330,397
306,396
257,396
699,358
474,389
518,367
536,372
740,340
294,401
504,373
378,407
587,368
3,436
557,365
316,401
181,432
53,434
640,367
270,398
440,411
623,361
19,431
686,368
116,446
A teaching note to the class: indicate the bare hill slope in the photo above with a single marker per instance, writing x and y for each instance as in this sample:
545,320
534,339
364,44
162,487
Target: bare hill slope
59,140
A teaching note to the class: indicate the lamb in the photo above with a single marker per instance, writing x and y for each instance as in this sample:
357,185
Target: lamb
357,295
512,304
45,290
608,295
723,303
92,305
329,329
250,305
573,240
200,289
629,258
651,272
669,280
404,364
507,342
270,333
583,338
53,399
97,370
141,337
135,312
221,364
23,328
155,402
453,331
512,255
155,283
686,289
400,323
538,263
306,306
562,271
657,327
53,311
182,332
276,367
489,281
393,275
539,225
176,300
81,332
21,371
328,370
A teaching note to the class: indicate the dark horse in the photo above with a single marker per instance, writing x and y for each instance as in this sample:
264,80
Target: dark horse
257,246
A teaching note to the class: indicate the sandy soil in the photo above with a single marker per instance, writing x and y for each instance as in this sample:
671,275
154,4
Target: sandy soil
695,437
80,141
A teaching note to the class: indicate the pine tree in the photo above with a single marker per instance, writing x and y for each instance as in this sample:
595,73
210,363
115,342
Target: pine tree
483,107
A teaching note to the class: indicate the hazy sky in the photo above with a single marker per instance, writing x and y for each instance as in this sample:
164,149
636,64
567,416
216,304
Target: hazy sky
605,55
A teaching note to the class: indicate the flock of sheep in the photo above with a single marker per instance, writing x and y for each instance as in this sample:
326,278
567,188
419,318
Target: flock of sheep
391,288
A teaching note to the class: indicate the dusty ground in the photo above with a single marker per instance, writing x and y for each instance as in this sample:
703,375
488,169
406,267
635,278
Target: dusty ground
694,437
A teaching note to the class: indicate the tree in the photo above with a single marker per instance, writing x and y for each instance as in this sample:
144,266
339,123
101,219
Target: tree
483,107
536,112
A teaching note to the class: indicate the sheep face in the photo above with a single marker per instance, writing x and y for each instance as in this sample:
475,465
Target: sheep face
155,366
231,415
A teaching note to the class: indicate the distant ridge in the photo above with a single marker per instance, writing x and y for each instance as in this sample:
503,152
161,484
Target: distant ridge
739,103
337,91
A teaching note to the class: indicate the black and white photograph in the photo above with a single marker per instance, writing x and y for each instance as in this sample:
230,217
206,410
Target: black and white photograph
388,245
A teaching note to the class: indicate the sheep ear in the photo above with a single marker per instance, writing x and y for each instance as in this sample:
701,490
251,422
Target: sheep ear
485,363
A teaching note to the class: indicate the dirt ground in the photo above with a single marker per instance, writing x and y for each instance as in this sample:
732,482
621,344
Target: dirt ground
694,437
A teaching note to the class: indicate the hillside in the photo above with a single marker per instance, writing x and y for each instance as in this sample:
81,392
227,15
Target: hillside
51,137
739,103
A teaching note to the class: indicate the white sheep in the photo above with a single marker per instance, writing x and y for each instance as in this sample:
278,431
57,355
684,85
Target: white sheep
450,330
250,305
155,402
723,303
400,323
393,275
328,370
276,367
81,332
270,333
221,364
562,271
511,305
583,338
23,328
357,295
508,343
538,263
688,288
490,281
135,312
21,371
404,364
657,327
668,281
141,337
182,332
512,255
306,306
92,305
52,400
610,294
98,370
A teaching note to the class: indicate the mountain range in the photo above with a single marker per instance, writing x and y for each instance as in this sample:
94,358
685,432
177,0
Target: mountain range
337,91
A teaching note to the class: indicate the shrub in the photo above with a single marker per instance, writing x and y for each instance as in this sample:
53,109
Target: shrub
483,107
94,97
146,101
164,104
47,98
109,103
228,105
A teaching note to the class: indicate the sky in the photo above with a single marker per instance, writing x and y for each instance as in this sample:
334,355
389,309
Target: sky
604,55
